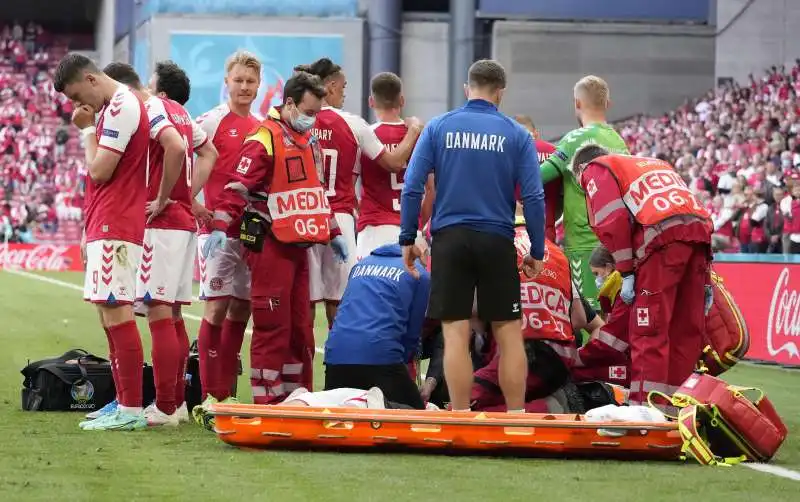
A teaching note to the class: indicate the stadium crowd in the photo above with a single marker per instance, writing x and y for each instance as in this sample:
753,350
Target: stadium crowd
42,168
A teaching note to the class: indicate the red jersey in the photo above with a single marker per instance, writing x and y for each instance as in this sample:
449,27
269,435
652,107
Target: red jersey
163,114
344,137
380,197
227,131
116,209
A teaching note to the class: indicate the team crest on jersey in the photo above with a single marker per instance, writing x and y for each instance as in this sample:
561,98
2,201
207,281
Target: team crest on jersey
591,188
643,316
244,165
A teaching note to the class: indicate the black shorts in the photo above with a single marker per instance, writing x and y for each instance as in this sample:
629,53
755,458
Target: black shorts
393,380
464,261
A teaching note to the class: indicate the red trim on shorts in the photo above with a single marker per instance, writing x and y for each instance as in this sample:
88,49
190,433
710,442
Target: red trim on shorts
155,302
214,298
116,303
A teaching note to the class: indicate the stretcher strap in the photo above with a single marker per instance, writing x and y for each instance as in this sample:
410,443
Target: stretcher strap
693,441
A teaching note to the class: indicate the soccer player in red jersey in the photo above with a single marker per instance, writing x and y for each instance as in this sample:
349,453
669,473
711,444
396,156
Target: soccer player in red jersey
116,194
169,81
554,190
344,137
225,277
164,280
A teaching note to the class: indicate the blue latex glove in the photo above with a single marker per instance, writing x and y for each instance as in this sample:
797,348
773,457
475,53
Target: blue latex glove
628,292
213,243
339,246
709,299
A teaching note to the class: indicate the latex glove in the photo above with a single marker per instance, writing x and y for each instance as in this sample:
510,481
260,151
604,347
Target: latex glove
628,292
339,246
213,243
709,299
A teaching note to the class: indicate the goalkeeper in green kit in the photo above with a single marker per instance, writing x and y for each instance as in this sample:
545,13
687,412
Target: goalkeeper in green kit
591,104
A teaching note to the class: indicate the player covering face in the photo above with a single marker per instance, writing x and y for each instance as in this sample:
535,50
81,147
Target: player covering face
116,151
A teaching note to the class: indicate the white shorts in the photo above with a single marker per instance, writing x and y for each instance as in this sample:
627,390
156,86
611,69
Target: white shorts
111,272
167,267
328,276
339,398
373,237
225,274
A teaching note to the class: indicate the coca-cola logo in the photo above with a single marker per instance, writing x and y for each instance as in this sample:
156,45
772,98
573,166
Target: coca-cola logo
38,257
784,318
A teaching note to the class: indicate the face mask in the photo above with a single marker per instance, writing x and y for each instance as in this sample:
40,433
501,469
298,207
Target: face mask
599,281
303,122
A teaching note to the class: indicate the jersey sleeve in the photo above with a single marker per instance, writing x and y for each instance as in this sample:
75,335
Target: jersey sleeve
199,136
209,121
120,121
158,117
368,141
558,163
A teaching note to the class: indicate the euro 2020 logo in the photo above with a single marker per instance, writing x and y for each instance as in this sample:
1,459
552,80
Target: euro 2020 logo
270,92
82,392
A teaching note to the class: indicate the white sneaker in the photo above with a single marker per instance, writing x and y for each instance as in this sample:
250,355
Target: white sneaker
183,413
156,417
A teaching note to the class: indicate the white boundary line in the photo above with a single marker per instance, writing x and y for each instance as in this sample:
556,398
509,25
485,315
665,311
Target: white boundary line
75,287
775,470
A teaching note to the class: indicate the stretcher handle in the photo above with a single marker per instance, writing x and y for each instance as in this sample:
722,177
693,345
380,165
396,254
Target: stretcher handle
487,422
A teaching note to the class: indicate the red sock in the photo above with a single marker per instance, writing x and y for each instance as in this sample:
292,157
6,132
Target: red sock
208,346
166,355
113,361
183,350
129,357
232,337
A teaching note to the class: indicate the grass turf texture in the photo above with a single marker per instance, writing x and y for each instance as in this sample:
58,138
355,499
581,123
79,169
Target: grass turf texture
45,456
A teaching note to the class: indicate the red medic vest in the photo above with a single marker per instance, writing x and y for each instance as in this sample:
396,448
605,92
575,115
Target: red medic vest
546,299
651,189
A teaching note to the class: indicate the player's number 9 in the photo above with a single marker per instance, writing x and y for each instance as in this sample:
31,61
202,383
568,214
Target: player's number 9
330,158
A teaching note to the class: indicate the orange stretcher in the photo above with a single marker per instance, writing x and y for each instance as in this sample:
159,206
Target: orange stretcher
290,427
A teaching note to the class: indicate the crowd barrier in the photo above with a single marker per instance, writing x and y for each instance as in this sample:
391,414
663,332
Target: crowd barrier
766,288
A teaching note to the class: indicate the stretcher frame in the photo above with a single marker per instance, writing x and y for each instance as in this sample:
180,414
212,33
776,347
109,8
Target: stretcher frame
291,427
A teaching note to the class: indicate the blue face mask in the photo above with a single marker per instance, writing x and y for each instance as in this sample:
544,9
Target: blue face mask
599,281
303,122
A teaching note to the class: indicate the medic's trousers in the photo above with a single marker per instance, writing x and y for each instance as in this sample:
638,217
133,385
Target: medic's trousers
606,357
667,319
282,349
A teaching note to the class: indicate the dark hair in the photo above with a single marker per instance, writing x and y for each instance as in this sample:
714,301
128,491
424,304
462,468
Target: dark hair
488,74
324,68
386,88
70,69
172,81
300,83
124,74
601,257
588,154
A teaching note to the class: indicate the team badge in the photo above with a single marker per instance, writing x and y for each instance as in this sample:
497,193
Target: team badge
643,316
244,165
215,284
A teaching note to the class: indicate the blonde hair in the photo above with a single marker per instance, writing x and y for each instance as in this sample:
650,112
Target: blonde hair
244,58
593,91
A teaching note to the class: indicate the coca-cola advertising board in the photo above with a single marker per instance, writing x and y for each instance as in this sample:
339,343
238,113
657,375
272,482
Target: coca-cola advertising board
768,294
49,257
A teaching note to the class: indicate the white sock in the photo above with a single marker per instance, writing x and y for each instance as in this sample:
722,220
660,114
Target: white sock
131,410
517,411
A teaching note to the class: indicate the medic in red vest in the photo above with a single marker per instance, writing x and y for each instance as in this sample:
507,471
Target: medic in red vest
277,179
660,237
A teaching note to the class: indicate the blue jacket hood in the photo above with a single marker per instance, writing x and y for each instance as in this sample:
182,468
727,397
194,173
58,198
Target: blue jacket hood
388,250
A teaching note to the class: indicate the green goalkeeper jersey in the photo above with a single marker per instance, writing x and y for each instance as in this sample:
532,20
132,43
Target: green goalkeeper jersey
578,234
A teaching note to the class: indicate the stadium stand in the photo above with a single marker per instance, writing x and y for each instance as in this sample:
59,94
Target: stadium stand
42,161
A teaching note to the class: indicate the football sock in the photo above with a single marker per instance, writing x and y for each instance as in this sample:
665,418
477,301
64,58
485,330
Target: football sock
113,361
166,360
232,338
208,346
183,351
129,357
